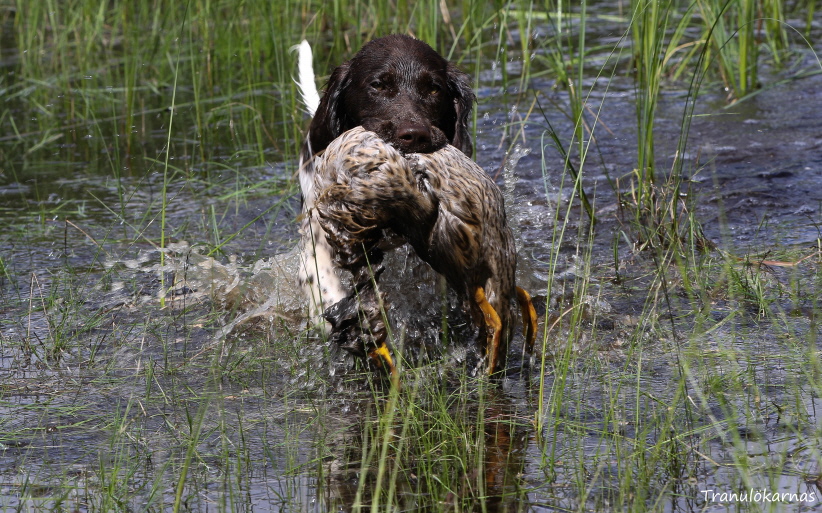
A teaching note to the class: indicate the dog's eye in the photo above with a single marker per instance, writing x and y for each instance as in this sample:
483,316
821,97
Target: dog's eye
435,91
378,85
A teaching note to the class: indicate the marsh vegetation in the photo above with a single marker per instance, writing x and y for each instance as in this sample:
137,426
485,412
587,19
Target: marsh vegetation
666,201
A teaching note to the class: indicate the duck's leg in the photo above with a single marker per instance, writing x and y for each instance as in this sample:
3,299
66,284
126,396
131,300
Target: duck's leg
374,326
529,318
493,323
357,324
372,309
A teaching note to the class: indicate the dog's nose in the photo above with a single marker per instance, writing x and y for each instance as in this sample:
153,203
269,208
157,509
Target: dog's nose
414,138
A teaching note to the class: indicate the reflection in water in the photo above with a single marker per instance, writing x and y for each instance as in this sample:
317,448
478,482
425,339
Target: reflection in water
483,473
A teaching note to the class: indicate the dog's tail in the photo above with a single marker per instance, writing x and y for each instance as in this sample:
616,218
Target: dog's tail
305,79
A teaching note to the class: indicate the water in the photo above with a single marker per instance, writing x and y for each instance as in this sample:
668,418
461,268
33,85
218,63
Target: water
101,384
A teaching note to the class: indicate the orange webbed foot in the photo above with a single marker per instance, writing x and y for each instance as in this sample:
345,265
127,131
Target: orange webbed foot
381,355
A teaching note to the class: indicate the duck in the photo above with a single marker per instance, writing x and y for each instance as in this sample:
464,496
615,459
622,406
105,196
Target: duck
370,197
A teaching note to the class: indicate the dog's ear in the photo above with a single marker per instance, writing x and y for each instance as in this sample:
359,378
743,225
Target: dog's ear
329,119
460,88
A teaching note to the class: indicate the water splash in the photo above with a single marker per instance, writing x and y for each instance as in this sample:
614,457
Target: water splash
428,320
267,290
510,179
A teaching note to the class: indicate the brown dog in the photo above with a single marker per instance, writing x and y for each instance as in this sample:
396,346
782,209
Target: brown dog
399,88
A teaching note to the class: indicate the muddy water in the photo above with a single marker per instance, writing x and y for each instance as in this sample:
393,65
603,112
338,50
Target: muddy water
99,383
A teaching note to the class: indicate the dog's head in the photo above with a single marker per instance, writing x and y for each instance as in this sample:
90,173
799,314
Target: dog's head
401,89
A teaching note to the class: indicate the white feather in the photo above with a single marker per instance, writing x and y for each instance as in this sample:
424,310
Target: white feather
305,79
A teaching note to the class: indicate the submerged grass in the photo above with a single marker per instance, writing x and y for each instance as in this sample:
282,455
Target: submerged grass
185,120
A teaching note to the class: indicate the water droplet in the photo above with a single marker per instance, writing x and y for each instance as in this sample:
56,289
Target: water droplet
510,178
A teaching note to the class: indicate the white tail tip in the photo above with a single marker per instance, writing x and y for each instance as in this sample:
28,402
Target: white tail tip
305,78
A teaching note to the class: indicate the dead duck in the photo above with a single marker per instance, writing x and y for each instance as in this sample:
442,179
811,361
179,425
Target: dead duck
447,208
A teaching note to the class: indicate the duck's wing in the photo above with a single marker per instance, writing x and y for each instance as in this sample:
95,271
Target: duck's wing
471,207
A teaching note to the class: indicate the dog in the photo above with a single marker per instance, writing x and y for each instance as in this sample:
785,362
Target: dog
397,87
